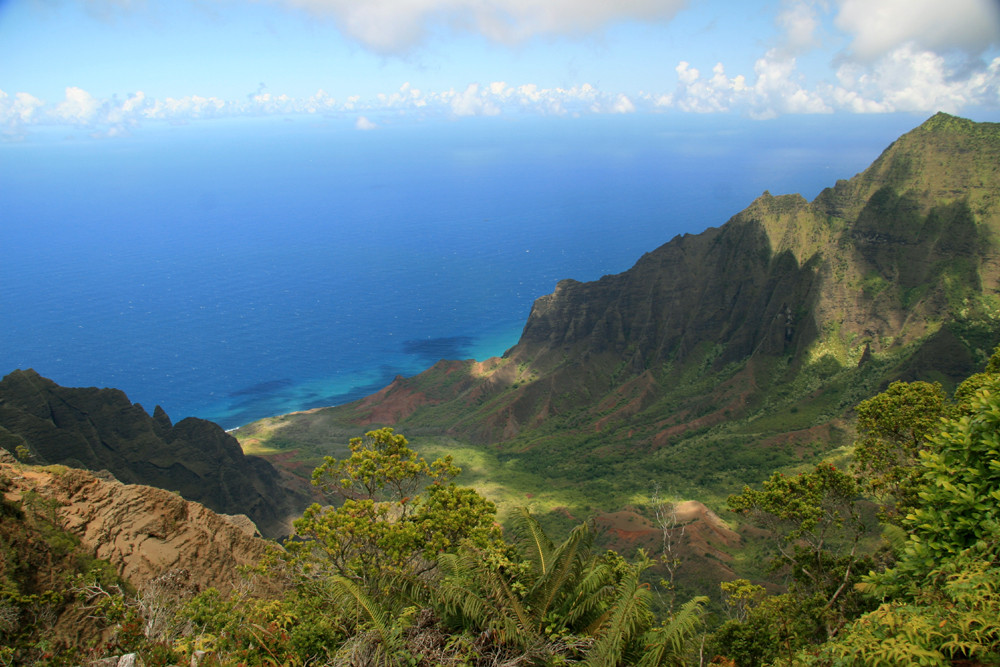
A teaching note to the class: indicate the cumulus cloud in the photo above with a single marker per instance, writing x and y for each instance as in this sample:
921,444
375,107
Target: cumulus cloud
908,79
623,105
78,107
799,22
364,124
902,55
393,26
20,108
880,27
17,111
701,95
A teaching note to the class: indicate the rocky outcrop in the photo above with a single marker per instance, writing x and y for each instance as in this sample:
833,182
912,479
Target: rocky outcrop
100,429
144,532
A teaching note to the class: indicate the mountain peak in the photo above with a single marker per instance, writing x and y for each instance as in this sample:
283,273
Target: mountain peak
946,122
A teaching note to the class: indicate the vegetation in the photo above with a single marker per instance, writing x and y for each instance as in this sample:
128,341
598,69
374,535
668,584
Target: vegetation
407,568
884,552
931,595
43,573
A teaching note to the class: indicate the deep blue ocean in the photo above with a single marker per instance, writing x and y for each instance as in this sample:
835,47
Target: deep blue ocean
236,270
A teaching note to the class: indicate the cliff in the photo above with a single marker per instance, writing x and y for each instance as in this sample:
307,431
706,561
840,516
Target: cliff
142,531
56,522
100,429
723,354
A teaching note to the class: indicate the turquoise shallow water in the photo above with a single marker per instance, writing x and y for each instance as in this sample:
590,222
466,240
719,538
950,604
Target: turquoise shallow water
236,271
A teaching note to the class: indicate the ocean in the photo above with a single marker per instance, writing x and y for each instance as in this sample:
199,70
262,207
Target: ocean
234,270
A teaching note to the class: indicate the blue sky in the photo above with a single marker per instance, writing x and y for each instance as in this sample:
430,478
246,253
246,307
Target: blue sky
112,67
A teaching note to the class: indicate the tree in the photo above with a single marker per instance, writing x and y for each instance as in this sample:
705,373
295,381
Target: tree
671,534
384,525
563,600
959,492
893,428
940,602
817,525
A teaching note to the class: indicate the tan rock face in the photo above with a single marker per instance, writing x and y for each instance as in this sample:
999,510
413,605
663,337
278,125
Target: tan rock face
141,530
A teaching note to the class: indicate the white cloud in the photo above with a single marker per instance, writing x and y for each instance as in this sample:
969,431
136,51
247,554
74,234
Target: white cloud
393,26
21,108
78,107
623,105
320,101
364,124
694,94
16,112
908,79
778,88
799,23
879,27
473,103
188,107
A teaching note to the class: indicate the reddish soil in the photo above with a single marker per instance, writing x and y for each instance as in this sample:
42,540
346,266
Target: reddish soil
703,546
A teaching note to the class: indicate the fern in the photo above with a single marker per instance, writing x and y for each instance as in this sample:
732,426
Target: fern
530,536
669,645
354,601
565,568
629,617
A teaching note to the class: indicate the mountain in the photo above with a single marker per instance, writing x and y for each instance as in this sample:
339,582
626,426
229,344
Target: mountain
100,429
722,355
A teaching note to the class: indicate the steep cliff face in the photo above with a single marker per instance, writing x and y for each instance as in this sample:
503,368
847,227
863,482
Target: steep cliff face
100,429
63,528
731,351
879,262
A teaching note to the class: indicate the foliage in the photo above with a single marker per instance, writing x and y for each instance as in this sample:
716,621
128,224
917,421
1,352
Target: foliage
251,630
941,599
384,526
40,567
957,618
959,493
740,596
772,628
817,525
561,601
544,597
893,428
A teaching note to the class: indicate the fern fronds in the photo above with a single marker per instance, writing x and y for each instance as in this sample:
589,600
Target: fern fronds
668,645
530,537
629,617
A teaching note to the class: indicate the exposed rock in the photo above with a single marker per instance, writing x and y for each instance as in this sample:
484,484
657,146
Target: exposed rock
144,532
101,429
243,522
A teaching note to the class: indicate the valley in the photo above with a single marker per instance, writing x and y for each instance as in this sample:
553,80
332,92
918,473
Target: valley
675,439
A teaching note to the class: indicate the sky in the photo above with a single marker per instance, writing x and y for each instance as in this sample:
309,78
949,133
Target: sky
108,68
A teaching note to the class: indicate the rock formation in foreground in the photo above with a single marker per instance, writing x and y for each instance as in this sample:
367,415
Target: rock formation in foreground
143,531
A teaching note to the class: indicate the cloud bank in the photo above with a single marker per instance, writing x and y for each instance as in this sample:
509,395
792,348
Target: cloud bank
395,26
881,56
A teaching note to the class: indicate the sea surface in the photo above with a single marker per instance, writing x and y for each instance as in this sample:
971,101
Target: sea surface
237,270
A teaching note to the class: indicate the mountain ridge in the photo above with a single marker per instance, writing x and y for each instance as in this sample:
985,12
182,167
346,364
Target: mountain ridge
97,429
785,316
